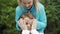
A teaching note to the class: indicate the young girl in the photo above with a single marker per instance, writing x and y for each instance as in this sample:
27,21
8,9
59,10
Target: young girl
26,17
36,9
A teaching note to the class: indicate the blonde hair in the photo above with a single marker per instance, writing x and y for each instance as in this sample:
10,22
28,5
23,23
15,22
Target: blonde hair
34,1
27,15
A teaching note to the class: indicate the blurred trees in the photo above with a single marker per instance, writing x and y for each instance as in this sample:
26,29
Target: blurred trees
7,16
53,19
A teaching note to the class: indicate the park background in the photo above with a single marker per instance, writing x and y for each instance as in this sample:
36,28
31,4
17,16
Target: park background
7,16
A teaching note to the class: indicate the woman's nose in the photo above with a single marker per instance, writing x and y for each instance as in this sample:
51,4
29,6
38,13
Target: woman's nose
27,6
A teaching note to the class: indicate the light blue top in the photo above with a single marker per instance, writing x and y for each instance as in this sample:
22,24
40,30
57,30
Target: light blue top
40,16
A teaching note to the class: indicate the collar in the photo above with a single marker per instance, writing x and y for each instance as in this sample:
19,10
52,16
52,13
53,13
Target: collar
32,9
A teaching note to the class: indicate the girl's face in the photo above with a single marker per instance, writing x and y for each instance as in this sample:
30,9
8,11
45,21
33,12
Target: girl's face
27,3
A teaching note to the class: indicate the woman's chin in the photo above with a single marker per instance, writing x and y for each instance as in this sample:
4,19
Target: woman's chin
28,8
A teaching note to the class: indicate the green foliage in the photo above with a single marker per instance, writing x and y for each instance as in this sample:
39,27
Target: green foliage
7,16
52,10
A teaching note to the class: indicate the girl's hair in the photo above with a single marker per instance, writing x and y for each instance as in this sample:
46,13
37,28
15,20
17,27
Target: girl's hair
34,1
29,15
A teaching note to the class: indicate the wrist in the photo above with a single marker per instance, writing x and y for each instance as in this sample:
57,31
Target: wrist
25,32
34,31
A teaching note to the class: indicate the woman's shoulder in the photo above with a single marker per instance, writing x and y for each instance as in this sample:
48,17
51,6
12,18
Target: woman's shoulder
40,5
18,8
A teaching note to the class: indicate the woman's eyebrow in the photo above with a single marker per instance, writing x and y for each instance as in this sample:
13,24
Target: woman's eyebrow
29,2
26,2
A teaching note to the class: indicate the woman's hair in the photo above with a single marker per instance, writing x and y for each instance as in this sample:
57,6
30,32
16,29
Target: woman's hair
34,2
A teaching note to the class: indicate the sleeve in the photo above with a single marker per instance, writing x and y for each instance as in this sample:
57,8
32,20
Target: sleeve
41,18
17,16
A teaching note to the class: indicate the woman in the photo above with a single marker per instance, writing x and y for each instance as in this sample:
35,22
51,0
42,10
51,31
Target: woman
37,9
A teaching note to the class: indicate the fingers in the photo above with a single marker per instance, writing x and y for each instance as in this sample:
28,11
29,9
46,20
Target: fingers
28,26
22,24
26,19
31,24
34,24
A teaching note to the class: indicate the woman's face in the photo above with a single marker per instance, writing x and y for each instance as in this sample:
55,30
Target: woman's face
27,3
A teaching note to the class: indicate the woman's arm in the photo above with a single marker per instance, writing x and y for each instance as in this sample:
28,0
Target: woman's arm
17,16
41,18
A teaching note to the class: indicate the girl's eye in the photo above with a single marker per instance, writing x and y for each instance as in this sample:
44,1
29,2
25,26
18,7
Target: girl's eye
28,2
24,3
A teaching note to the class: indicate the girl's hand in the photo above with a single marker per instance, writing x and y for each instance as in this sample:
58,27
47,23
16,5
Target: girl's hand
26,19
34,24
28,22
22,24
29,26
